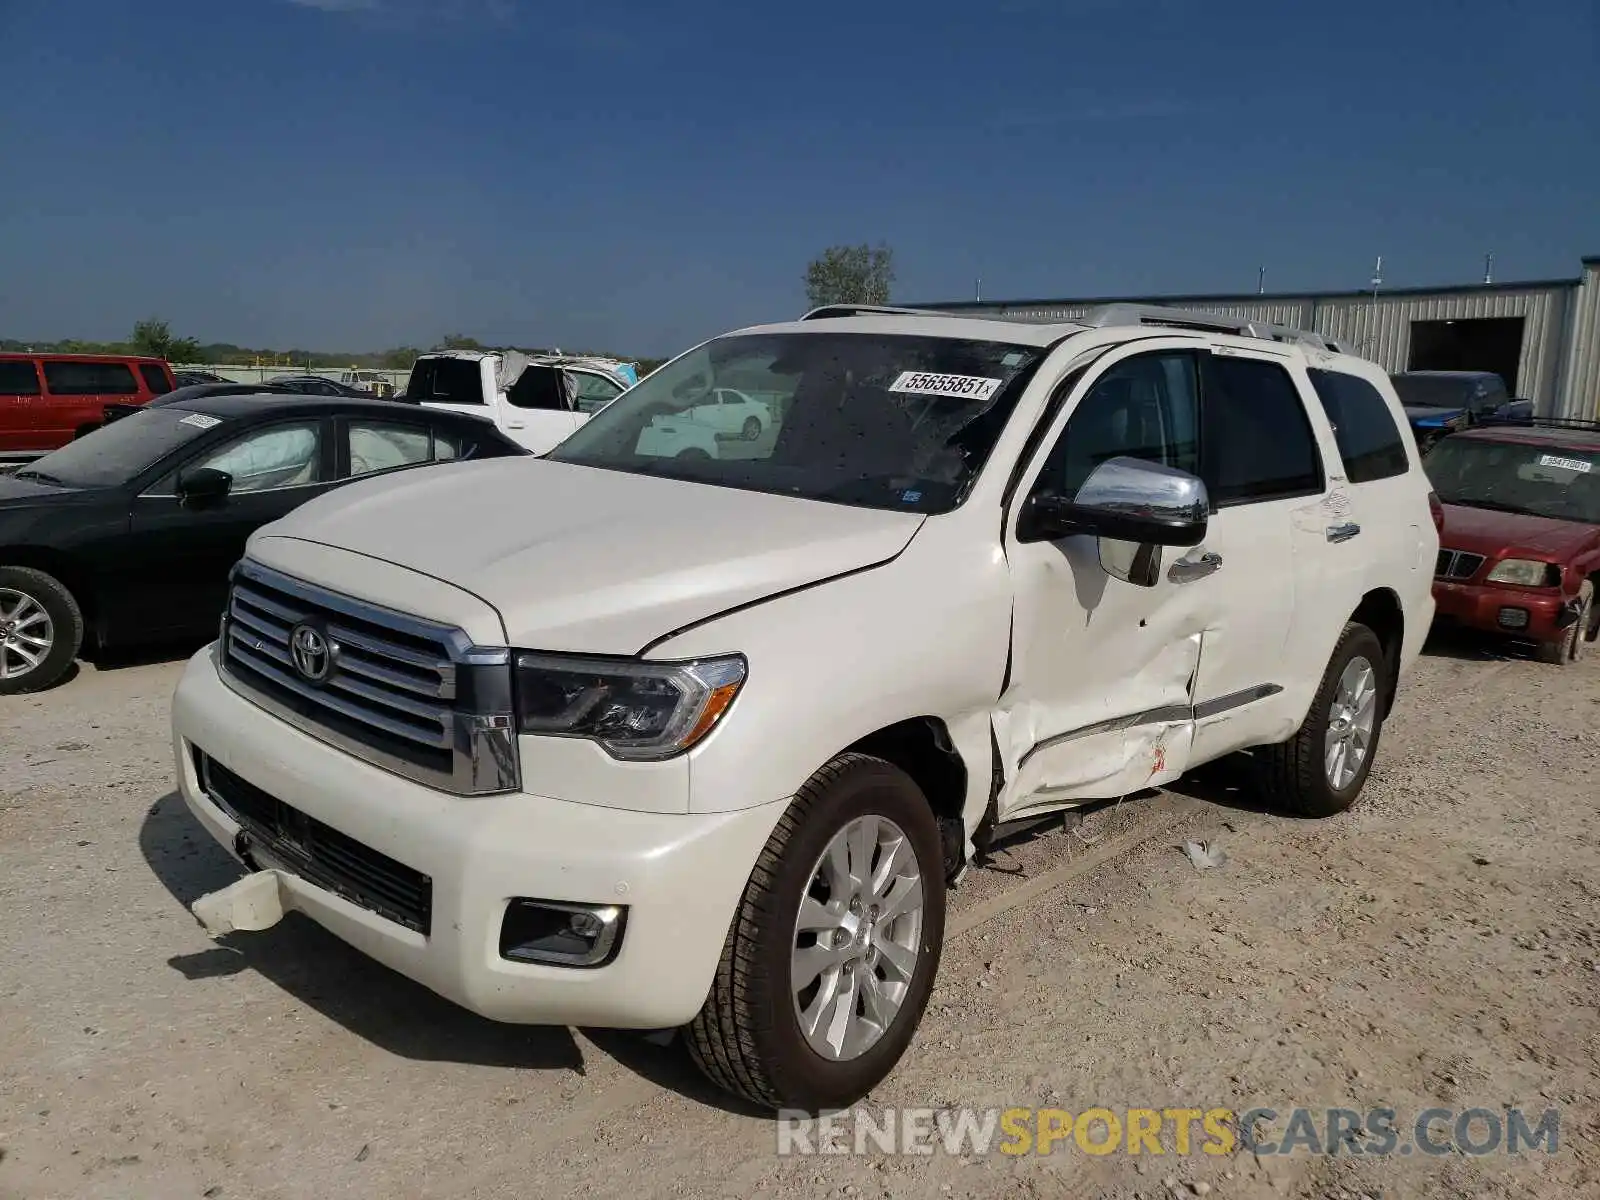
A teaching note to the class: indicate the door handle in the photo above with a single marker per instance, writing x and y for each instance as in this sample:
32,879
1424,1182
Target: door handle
1187,569
1343,533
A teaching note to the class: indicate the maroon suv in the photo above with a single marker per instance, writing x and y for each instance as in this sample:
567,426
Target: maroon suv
1520,547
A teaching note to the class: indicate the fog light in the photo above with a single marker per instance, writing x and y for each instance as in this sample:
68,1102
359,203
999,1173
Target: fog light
561,934
1514,618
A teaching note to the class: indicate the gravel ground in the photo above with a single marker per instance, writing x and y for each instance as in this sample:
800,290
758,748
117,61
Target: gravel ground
1435,947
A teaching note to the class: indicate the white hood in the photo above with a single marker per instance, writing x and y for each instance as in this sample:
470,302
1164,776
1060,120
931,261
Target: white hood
604,562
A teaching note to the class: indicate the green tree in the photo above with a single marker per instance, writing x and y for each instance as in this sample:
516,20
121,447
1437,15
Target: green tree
153,336
459,341
850,275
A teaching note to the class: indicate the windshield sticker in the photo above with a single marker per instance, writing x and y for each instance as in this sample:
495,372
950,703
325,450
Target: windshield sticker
200,421
910,497
1566,464
962,387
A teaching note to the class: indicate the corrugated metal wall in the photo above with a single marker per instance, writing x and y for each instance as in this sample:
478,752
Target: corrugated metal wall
1559,368
1581,395
1381,331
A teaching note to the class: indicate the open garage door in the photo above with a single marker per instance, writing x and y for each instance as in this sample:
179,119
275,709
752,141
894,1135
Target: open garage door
1478,344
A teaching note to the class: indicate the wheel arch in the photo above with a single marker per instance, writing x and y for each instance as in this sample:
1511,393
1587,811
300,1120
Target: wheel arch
71,574
1380,610
923,749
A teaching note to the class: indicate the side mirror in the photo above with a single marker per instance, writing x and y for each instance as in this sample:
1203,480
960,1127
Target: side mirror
204,487
1134,507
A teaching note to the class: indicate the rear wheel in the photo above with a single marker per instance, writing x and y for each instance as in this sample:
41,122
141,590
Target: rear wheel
752,429
693,454
1322,768
41,629
1568,648
831,956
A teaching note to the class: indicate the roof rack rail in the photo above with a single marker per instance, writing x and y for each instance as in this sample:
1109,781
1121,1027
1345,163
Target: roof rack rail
1108,315
867,310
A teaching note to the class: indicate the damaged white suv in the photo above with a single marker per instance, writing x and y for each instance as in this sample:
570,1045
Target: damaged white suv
617,738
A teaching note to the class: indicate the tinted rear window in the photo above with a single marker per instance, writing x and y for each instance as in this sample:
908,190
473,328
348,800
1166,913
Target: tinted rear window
18,379
446,381
1369,440
89,379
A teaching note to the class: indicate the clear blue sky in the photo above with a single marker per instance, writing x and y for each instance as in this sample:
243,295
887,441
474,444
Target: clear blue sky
360,174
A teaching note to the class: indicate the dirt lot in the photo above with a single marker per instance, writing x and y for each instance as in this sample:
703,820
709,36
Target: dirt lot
1436,947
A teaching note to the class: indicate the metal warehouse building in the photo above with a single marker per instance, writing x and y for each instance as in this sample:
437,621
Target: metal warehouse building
1542,337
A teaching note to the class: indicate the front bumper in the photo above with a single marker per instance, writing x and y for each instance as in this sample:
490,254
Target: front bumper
679,876
1497,609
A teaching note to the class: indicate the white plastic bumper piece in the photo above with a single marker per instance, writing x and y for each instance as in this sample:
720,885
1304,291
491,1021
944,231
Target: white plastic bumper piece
679,876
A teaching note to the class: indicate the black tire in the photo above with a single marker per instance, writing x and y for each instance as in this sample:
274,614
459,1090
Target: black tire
1568,648
747,1037
693,454
66,624
752,429
1293,773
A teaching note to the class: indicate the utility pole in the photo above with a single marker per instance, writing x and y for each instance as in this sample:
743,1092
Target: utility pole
977,290
1488,267
1261,280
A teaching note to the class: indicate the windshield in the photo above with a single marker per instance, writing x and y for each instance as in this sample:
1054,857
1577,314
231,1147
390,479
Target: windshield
1545,481
878,420
1436,391
117,453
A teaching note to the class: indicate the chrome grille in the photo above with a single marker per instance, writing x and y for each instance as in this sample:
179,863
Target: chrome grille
407,694
1457,564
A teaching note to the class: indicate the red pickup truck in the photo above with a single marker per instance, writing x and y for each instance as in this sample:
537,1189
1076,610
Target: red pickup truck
46,400
1519,553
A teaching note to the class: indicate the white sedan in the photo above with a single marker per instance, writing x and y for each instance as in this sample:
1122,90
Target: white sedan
733,414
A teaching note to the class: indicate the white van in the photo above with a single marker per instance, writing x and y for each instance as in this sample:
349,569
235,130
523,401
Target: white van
618,738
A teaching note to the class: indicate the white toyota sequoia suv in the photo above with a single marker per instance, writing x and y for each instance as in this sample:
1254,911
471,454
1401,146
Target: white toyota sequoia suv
621,738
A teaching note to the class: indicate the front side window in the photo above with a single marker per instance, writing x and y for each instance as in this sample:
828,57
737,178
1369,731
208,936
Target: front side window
1542,480
879,420
1145,407
66,378
1369,440
1258,443
279,457
594,391
18,379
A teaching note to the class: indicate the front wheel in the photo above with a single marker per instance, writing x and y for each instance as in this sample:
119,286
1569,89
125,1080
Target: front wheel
831,956
752,429
41,629
1320,770
1568,648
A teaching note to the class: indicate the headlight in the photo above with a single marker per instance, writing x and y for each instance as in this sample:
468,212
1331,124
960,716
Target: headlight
1526,572
635,710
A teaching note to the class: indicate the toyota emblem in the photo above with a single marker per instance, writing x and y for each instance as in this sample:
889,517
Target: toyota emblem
311,652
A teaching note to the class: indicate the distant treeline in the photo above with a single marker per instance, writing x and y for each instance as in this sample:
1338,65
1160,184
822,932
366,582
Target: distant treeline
226,353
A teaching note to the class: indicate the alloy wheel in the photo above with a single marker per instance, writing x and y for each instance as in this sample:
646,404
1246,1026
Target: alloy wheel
1351,719
26,633
857,938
